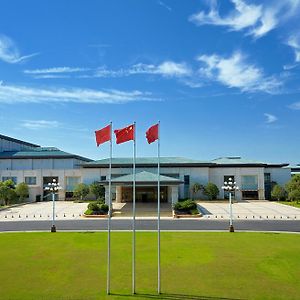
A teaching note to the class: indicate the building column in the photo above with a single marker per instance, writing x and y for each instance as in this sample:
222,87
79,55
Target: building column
118,194
174,194
261,194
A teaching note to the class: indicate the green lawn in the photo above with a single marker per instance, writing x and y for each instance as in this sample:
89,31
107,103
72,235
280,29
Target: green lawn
63,266
291,203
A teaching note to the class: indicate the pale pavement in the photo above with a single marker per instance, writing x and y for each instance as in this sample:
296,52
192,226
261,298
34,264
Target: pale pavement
67,210
249,210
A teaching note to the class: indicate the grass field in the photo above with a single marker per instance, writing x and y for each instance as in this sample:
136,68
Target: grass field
291,203
69,266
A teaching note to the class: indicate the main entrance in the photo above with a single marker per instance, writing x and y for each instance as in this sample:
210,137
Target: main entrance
145,194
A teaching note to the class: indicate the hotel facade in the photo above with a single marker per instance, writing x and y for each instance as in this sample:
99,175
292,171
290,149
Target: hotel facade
37,166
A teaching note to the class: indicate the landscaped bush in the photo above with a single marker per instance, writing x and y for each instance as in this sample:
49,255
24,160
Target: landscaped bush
97,208
187,206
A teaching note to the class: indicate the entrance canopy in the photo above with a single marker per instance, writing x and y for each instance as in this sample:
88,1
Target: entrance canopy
144,178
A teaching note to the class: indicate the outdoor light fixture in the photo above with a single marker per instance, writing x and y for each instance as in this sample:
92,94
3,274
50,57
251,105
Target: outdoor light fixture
230,186
53,187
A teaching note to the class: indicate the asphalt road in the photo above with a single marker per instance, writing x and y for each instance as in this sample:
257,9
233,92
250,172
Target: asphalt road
257,225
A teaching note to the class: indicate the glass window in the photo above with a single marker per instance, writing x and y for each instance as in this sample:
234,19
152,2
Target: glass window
71,182
103,178
14,179
249,183
30,180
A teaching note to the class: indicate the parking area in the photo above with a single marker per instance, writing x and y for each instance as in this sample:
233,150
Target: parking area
249,210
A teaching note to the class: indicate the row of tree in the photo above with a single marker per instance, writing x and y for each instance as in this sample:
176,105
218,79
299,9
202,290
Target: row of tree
11,193
210,190
290,192
81,191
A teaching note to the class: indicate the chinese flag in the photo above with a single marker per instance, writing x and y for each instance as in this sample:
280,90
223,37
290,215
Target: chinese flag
125,134
152,134
103,135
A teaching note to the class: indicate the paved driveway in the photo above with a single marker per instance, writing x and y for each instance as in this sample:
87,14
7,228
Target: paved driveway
249,210
43,211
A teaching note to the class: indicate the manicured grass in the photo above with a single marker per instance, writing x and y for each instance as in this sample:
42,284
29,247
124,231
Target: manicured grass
194,266
291,203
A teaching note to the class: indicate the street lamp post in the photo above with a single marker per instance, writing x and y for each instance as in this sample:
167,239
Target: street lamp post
53,187
230,187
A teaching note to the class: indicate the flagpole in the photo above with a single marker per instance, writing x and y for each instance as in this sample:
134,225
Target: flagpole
158,211
109,213
133,212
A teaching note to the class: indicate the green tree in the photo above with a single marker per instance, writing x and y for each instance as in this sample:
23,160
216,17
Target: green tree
196,187
278,192
98,190
81,190
211,191
22,191
7,194
293,188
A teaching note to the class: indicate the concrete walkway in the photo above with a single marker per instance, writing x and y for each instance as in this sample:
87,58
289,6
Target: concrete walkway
68,210
43,211
249,210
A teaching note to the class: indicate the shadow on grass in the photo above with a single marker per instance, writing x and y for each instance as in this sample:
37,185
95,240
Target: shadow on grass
169,296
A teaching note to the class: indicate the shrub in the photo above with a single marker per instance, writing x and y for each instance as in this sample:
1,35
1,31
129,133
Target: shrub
186,206
93,206
22,191
81,190
211,191
98,208
278,192
98,190
293,188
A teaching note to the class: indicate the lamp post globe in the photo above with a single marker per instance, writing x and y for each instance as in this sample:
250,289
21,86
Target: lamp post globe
230,187
53,187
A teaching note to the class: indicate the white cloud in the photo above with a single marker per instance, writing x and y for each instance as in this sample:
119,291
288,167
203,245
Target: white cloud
164,5
295,106
10,53
236,72
56,70
165,69
12,94
270,118
40,124
294,42
257,19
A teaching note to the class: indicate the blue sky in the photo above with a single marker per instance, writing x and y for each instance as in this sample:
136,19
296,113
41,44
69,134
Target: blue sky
221,76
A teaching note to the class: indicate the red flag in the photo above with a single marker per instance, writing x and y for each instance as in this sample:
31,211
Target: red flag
103,135
125,134
152,134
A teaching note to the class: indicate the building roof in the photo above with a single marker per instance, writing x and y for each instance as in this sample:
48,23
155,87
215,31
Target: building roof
40,152
234,161
145,162
4,137
145,177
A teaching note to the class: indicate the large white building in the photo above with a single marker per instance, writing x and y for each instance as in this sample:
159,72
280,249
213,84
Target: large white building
37,166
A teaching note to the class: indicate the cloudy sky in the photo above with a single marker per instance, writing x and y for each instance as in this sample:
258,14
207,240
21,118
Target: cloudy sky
221,76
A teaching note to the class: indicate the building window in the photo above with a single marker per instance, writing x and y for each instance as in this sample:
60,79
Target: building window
249,183
226,193
268,186
71,182
30,180
103,178
186,180
14,179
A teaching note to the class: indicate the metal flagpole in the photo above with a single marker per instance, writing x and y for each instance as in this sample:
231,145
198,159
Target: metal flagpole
109,214
158,210
133,212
